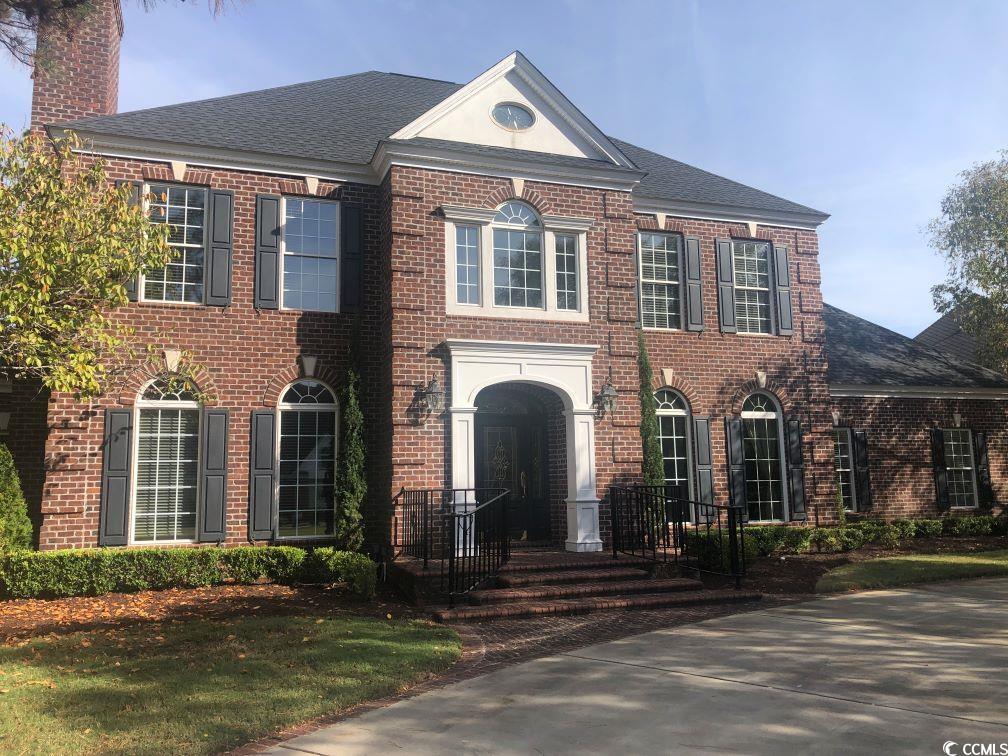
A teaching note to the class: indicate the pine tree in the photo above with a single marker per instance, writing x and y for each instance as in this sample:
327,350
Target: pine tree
351,485
15,527
653,466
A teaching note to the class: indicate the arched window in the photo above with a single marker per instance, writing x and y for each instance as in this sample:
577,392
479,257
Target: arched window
673,432
167,463
307,460
517,256
763,453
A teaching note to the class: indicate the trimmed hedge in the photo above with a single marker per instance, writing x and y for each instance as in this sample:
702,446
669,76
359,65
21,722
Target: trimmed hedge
92,572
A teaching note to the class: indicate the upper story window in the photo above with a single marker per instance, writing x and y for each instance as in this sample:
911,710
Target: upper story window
165,496
751,265
660,283
183,209
510,262
310,244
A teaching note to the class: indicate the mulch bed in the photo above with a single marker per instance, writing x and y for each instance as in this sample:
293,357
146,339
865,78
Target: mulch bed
797,574
25,618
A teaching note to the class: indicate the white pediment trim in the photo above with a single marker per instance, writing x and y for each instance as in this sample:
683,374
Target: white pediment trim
543,87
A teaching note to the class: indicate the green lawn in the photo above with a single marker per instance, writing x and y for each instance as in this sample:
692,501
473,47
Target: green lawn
912,568
203,686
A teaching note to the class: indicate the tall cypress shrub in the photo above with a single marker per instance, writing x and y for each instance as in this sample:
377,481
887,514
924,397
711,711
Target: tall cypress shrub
654,467
15,527
351,485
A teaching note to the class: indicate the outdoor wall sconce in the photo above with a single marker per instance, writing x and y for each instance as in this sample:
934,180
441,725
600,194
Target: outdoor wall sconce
4,422
836,417
430,398
957,419
605,400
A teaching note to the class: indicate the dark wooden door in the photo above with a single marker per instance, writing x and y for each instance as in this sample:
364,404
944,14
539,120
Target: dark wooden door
510,453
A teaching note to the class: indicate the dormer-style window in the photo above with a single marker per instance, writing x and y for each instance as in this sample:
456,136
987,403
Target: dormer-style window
512,262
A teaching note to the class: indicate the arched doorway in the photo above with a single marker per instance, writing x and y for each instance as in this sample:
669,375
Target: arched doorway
517,429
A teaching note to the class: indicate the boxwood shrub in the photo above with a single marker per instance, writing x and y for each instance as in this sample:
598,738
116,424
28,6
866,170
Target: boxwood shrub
92,572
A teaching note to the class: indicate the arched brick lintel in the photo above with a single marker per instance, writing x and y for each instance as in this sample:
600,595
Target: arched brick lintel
148,371
271,395
772,387
502,194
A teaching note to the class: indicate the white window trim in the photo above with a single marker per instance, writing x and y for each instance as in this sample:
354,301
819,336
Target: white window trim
339,251
771,289
777,415
142,404
141,296
551,225
680,284
973,470
688,414
853,476
288,407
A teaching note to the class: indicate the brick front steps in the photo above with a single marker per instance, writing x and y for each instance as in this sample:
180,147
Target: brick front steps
591,604
542,582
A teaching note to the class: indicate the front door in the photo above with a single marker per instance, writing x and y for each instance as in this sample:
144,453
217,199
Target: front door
510,453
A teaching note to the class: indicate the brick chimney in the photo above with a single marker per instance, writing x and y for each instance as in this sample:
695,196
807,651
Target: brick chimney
78,73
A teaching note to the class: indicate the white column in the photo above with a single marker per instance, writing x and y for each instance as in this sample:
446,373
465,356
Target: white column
463,451
582,502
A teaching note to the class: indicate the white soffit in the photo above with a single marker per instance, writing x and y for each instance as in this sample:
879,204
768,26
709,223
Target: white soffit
559,129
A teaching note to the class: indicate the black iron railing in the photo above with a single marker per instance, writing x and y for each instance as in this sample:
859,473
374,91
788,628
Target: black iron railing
465,530
658,524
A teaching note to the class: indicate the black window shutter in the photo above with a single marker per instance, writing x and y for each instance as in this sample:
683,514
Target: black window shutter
694,285
782,281
219,244
940,471
117,450
726,286
135,188
261,474
985,490
213,476
862,475
704,460
796,468
736,462
267,262
351,257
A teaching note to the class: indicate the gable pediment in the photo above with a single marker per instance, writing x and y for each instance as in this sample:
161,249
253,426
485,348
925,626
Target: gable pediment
559,127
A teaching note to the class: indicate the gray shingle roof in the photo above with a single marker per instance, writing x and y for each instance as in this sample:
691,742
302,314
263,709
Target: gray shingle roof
862,353
946,335
344,119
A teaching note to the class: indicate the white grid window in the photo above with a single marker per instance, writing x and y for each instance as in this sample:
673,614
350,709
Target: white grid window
761,450
183,209
566,272
673,434
843,459
307,461
311,254
752,286
517,257
660,293
467,264
167,465
960,467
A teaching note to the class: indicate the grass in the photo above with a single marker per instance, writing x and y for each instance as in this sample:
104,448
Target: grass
912,568
204,686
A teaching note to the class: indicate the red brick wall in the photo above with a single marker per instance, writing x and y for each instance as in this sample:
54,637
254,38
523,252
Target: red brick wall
899,447
248,356
78,74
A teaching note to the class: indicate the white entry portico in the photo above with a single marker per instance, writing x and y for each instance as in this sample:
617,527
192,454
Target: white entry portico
565,369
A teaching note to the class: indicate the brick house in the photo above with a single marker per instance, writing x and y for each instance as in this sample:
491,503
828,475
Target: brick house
486,243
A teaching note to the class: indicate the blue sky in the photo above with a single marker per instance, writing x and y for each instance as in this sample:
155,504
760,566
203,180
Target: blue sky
866,110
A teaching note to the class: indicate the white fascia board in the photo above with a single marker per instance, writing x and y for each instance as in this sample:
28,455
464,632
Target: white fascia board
461,214
565,223
728,213
212,157
542,86
459,161
473,346
840,390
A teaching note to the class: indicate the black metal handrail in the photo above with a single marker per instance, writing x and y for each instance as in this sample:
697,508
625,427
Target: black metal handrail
658,524
465,529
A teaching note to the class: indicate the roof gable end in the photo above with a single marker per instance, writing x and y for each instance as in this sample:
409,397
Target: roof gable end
559,127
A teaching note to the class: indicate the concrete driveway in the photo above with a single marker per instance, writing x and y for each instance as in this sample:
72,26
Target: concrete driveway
899,671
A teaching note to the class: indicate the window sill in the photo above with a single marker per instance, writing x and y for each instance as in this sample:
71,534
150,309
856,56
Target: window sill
532,314
322,312
659,329
160,303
